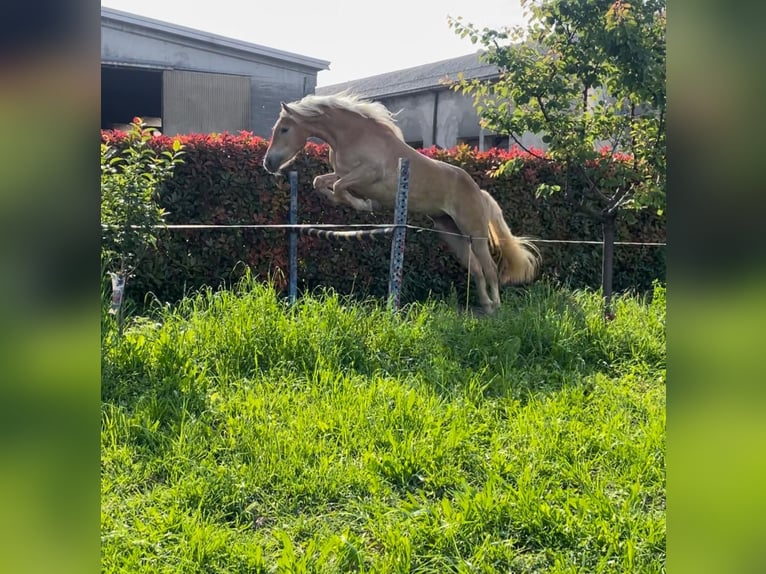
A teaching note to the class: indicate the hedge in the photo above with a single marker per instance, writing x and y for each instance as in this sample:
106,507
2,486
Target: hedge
222,181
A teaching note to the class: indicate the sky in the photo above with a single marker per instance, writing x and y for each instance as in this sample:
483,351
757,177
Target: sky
359,38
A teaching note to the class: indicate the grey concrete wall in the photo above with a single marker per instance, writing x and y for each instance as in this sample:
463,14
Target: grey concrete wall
271,81
414,117
455,118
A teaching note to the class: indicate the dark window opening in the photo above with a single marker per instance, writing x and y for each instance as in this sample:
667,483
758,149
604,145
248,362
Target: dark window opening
490,141
470,142
503,142
130,92
416,144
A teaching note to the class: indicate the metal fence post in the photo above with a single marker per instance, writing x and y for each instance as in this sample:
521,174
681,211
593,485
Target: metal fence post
399,234
293,285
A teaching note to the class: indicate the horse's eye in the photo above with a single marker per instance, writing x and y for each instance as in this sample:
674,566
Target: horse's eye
283,130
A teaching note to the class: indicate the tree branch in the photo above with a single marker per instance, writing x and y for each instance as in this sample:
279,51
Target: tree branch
588,210
543,111
619,199
659,128
594,213
592,184
632,137
527,150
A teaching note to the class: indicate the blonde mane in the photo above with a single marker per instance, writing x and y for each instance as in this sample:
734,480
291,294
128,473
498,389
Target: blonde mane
313,105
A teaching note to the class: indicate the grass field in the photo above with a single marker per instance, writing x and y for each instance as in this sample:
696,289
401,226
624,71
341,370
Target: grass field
240,435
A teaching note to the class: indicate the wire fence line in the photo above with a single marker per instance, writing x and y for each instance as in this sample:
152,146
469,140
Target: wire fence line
386,227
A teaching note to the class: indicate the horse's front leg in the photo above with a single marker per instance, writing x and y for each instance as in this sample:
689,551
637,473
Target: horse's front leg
359,178
323,184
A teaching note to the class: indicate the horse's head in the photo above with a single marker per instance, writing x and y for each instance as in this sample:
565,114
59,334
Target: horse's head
288,136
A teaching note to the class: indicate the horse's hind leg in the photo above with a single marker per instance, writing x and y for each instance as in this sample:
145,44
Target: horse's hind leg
474,224
480,246
462,249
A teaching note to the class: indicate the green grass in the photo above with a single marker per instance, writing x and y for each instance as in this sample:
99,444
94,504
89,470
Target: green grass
240,435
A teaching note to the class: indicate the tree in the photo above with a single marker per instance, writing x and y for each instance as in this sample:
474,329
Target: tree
131,174
589,75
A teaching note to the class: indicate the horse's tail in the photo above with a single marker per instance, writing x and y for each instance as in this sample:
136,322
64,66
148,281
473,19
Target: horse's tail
517,258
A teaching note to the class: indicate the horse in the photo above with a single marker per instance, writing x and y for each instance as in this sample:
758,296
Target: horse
365,146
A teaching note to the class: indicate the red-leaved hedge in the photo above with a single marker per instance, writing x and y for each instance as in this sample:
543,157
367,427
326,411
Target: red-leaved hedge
222,181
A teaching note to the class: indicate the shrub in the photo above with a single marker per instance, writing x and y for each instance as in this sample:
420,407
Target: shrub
131,174
222,181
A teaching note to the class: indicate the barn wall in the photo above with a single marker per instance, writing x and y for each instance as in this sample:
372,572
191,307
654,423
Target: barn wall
414,115
204,102
271,80
456,119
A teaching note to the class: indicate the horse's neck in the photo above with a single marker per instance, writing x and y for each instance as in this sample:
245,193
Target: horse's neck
324,127
337,126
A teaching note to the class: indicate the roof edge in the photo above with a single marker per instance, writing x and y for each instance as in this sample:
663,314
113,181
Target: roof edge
344,86
484,71
435,82
217,40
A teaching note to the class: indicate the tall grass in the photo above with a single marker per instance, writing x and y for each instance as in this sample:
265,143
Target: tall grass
242,435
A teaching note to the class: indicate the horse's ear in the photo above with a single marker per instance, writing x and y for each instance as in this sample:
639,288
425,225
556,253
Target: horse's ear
286,108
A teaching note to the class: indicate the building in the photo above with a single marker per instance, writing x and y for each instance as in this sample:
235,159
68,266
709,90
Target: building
188,81
429,112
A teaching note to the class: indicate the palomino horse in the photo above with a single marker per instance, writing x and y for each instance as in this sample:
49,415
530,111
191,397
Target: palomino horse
365,146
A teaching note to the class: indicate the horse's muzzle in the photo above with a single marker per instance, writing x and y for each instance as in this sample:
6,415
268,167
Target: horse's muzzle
270,165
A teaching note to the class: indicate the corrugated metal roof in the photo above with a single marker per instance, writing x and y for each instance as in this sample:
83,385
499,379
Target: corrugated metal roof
118,17
415,79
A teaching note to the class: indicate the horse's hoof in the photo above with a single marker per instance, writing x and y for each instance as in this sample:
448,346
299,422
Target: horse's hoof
480,311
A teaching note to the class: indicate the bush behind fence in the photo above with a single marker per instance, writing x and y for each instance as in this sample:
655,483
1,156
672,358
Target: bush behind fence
223,182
